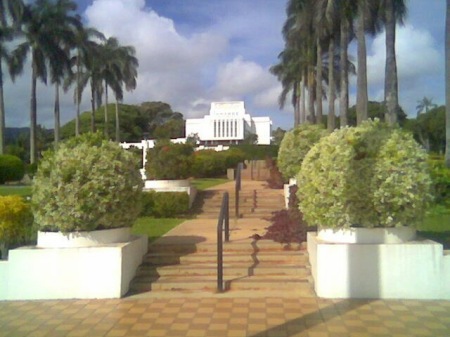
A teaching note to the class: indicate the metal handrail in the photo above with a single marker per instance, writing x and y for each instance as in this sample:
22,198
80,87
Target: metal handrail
237,189
222,225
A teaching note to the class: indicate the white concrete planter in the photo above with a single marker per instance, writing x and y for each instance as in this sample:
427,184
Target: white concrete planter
367,235
60,271
166,184
83,239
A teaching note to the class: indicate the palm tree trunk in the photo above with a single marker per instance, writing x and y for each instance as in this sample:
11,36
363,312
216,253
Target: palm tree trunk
106,111
303,99
57,115
361,81
331,87
92,107
33,116
311,113
117,122
78,98
296,104
319,83
447,86
343,98
2,113
391,80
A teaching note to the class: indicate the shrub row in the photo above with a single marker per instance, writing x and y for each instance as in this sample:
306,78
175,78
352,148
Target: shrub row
164,204
179,161
440,176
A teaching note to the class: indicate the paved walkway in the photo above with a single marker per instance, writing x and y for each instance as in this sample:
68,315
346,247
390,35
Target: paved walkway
235,314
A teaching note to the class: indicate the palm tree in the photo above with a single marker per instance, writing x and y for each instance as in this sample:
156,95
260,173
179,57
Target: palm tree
128,75
85,54
424,104
41,31
9,10
66,24
394,11
447,86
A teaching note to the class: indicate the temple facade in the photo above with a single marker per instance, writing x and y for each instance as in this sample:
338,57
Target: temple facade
228,123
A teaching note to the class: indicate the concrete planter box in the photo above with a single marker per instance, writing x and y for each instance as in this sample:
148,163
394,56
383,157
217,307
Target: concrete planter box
367,235
183,185
378,263
83,239
99,264
292,182
166,184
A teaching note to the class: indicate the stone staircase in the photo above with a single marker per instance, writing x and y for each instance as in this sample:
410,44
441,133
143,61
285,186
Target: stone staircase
253,202
259,266
185,260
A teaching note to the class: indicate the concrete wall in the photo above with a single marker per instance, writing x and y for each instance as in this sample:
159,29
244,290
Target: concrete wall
412,270
64,273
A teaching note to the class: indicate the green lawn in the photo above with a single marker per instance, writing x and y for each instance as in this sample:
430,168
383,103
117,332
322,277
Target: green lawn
22,190
204,183
154,228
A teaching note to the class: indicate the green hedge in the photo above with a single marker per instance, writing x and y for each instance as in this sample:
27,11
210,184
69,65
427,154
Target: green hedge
11,168
210,163
440,177
255,152
169,161
164,204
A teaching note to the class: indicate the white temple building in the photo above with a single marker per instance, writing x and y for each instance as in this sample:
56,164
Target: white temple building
228,123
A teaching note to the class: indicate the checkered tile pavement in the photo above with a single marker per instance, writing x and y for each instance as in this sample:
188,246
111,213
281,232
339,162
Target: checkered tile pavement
225,317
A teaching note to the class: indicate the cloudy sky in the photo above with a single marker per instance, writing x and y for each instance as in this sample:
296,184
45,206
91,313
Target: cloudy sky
193,52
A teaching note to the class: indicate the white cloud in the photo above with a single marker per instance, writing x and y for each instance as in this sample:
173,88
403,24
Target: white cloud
416,54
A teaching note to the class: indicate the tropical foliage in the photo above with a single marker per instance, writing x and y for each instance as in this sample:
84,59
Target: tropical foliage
63,53
314,60
84,186
294,147
369,176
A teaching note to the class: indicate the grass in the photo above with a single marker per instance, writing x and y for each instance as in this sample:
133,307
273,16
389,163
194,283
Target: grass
154,228
436,225
22,190
204,183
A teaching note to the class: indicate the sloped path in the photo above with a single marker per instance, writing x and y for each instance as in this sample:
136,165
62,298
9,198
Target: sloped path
185,259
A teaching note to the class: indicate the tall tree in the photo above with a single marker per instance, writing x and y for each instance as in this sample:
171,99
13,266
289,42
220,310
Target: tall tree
10,15
66,23
424,105
361,80
394,11
84,61
41,29
447,85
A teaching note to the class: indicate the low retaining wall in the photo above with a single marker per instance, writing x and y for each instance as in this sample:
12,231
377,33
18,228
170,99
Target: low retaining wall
413,270
105,271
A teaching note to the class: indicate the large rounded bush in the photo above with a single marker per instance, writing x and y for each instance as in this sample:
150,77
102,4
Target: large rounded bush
168,161
84,186
294,147
11,168
368,176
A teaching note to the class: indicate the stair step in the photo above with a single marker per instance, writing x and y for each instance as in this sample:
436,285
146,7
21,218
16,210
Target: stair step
210,283
171,259
229,270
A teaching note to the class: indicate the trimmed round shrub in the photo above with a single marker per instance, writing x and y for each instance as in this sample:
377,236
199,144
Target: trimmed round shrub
366,176
84,187
168,161
11,168
16,219
294,147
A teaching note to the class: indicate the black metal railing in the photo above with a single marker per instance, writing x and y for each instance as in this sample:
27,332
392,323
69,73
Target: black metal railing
223,225
237,189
